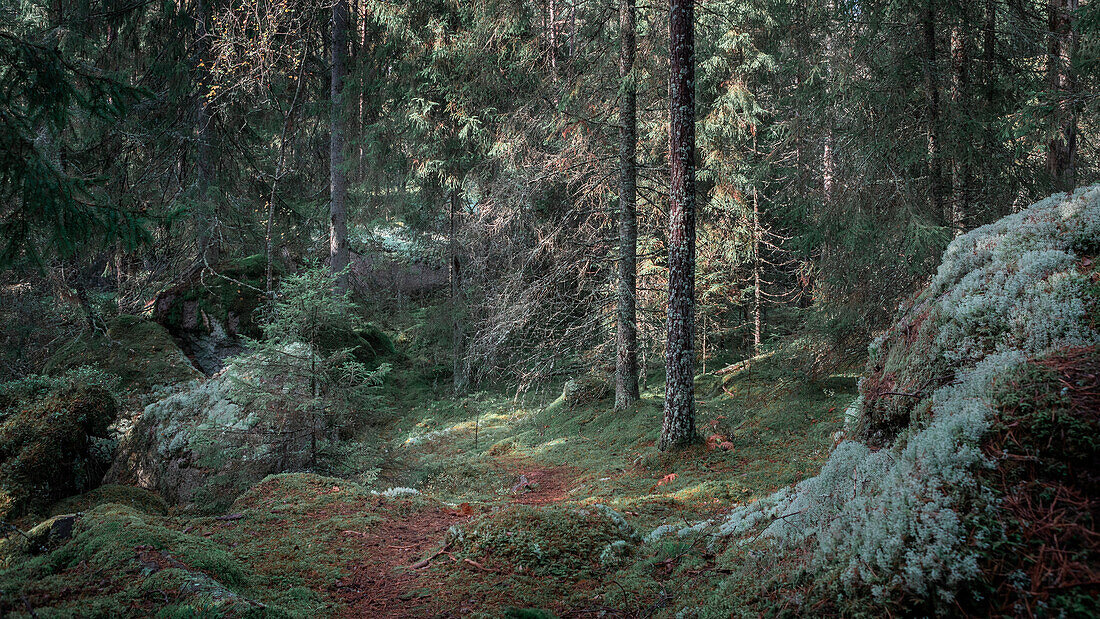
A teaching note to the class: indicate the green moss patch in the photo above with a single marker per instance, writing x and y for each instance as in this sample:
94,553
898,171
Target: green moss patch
1045,538
53,446
138,351
569,543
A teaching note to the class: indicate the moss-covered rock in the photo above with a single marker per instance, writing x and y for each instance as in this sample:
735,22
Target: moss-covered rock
198,444
368,344
139,351
53,446
208,312
565,542
130,496
585,390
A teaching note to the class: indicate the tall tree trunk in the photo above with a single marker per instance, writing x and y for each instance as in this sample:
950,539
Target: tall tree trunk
553,24
208,245
338,187
828,154
679,422
990,159
932,101
572,26
458,302
1062,149
757,305
960,98
626,338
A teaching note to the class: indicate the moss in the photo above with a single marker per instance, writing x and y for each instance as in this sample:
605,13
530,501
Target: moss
276,557
140,352
137,498
54,446
185,307
563,542
1041,518
368,343
585,390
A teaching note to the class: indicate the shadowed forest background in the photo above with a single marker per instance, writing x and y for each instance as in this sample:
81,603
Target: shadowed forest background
555,308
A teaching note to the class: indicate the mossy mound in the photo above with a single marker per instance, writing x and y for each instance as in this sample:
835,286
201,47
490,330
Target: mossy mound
130,496
300,489
276,554
53,446
117,561
563,542
140,352
1016,284
585,390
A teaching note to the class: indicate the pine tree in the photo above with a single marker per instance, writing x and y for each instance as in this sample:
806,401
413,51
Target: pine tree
626,357
679,421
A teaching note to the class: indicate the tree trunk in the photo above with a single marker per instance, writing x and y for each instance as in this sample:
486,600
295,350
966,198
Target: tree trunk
1062,149
960,98
458,303
553,24
990,159
757,318
828,155
626,339
679,422
208,245
932,100
338,187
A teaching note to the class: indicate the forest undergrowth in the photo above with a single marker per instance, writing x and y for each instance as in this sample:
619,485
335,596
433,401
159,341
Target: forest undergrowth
473,503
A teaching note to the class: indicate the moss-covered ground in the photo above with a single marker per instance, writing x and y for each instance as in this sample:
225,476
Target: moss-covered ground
528,501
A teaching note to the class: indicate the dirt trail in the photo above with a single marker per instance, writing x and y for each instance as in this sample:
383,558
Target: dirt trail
545,485
383,583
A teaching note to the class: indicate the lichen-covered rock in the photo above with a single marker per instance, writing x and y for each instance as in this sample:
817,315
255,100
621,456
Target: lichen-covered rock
53,445
893,511
202,444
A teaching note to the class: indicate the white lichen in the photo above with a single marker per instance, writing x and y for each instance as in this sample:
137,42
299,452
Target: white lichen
893,518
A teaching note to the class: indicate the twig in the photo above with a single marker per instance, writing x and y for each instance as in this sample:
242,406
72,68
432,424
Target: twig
479,566
423,563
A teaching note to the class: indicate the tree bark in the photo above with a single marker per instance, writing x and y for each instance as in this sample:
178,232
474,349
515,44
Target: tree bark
828,155
458,303
208,245
338,187
757,306
1062,149
626,339
960,98
932,101
679,422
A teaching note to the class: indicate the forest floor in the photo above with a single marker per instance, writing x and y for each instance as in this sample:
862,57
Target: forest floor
486,505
